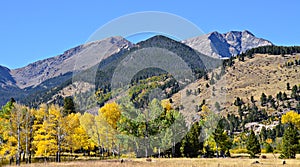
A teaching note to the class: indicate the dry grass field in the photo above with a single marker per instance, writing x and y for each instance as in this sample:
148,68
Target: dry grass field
177,162
261,74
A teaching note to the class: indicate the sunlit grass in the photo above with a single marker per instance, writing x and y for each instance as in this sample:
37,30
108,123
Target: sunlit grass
178,162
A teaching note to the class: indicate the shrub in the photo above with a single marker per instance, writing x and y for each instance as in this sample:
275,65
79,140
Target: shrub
239,151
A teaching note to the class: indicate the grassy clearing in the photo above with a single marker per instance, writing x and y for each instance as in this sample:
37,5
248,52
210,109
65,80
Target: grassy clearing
177,162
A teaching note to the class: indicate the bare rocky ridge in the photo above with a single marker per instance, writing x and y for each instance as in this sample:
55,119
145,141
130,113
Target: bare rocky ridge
76,59
5,77
231,43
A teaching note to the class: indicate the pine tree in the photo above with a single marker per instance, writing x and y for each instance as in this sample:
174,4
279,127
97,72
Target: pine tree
294,92
191,145
223,141
263,99
263,133
288,87
284,96
253,145
69,106
290,142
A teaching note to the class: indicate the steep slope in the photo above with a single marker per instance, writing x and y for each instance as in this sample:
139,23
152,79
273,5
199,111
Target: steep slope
8,88
231,43
76,59
263,73
5,77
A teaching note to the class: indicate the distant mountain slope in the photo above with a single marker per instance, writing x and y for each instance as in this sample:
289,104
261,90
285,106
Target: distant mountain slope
5,77
43,75
197,62
231,43
76,59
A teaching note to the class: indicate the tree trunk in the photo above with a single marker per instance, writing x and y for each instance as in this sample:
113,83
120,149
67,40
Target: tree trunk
158,152
19,146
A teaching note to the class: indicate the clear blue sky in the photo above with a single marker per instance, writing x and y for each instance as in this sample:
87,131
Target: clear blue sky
33,30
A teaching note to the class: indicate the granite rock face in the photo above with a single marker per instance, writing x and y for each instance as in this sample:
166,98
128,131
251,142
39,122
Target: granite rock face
231,43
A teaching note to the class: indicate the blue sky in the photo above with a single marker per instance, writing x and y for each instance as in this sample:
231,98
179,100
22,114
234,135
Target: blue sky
33,30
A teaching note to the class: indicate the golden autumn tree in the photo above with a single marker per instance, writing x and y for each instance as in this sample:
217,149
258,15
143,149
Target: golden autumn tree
94,130
76,137
108,116
166,104
15,124
8,132
291,117
49,131
111,113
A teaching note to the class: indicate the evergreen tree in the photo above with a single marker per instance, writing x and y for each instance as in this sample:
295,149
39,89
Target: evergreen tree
263,133
288,87
284,96
294,92
69,106
190,144
290,142
279,96
253,145
263,99
252,99
223,141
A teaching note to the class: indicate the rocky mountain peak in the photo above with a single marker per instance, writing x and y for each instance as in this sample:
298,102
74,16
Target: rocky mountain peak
227,44
73,60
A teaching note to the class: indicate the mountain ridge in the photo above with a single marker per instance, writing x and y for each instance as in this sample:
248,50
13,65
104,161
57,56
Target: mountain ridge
227,44
52,72
70,61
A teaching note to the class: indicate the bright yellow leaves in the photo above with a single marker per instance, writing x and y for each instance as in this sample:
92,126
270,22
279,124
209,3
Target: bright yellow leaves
166,104
76,136
46,131
269,141
111,113
291,117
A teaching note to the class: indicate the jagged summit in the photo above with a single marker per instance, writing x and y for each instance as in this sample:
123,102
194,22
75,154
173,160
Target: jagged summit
231,43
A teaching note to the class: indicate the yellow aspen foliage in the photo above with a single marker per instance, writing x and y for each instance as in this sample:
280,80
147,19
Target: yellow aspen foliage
166,104
205,111
291,117
76,136
12,125
111,113
269,141
93,128
48,134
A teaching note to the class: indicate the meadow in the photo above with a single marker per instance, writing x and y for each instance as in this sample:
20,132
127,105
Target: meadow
238,161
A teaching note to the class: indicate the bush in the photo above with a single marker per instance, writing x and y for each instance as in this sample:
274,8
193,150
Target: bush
239,151
128,155
277,151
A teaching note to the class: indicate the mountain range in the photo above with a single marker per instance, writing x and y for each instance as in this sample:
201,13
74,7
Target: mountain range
51,75
228,44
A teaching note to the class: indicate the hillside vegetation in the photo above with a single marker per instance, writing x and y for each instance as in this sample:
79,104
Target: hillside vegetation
250,104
